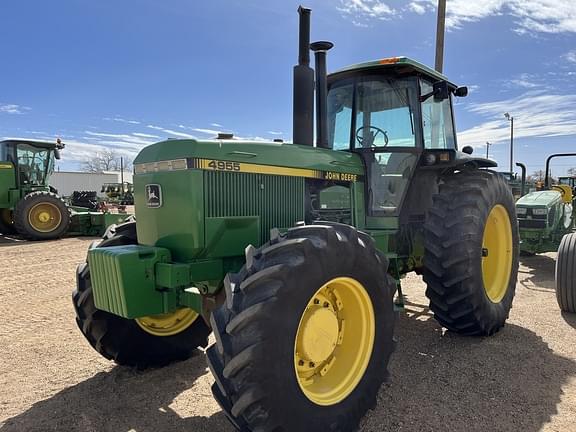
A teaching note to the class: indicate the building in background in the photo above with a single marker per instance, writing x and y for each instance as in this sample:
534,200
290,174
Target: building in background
66,182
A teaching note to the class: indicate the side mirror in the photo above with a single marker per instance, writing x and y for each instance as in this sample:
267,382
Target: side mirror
468,150
57,153
441,91
461,92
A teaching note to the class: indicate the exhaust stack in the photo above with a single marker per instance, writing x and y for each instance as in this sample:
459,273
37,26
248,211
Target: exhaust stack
303,109
320,49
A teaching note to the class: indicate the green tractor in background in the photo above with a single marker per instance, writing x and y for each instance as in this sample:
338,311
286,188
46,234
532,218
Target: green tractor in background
545,216
119,193
32,208
28,205
292,254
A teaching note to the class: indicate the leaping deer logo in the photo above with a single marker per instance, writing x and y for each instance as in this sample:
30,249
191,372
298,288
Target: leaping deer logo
153,195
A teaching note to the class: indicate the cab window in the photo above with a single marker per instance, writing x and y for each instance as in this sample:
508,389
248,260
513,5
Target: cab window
437,121
384,115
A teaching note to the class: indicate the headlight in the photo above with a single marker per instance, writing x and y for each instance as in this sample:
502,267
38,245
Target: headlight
521,210
539,211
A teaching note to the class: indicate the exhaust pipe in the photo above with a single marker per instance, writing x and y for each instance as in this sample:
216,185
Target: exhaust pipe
523,185
320,49
303,109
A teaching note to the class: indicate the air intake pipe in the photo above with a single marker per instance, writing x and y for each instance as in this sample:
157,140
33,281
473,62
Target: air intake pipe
303,109
523,184
320,49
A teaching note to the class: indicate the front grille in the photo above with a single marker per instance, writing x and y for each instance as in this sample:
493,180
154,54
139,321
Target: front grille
531,223
277,200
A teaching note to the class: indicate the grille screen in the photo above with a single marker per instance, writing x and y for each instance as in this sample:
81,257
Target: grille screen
278,200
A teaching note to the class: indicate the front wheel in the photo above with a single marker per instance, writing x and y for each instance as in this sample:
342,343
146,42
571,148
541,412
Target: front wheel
151,341
471,252
305,335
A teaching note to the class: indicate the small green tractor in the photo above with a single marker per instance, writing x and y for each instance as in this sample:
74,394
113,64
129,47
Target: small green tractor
29,206
119,193
292,254
545,216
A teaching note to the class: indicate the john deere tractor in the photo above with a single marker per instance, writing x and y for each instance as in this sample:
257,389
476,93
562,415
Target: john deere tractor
545,216
29,206
291,254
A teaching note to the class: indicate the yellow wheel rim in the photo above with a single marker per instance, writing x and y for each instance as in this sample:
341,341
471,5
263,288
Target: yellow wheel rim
334,341
44,217
168,324
497,253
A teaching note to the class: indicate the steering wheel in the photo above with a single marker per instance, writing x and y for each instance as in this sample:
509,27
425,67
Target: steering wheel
372,137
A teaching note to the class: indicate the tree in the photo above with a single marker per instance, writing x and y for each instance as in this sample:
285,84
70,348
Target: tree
105,160
538,175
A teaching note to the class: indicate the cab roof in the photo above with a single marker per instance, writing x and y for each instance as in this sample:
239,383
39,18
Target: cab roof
34,143
405,63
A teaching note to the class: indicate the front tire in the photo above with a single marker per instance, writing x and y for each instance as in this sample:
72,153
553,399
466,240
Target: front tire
566,274
146,342
305,335
41,216
471,252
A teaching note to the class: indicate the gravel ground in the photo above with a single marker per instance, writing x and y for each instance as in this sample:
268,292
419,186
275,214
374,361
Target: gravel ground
522,379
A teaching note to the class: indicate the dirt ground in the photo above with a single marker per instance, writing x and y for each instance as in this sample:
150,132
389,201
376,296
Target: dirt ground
522,379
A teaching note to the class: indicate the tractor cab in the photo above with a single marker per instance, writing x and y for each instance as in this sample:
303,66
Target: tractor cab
31,161
397,115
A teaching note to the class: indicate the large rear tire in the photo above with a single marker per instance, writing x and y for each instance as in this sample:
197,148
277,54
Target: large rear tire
146,342
42,216
566,274
305,335
471,252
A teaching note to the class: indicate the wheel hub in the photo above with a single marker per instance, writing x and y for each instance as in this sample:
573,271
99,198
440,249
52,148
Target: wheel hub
44,217
334,341
319,334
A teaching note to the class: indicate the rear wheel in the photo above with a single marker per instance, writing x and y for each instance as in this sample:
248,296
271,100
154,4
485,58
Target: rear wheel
471,252
566,274
305,335
41,216
151,341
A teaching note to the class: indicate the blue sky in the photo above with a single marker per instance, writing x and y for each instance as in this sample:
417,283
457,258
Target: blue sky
124,74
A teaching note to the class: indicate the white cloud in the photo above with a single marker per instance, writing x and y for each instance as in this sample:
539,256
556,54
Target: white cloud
418,8
363,10
122,120
143,135
275,133
206,131
536,114
171,133
570,56
13,109
218,125
541,16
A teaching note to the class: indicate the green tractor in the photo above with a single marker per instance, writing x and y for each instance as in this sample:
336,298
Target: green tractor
119,193
291,254
32,208
545,216
28,205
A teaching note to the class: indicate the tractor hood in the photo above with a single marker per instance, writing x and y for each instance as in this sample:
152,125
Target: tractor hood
273,154
540,199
